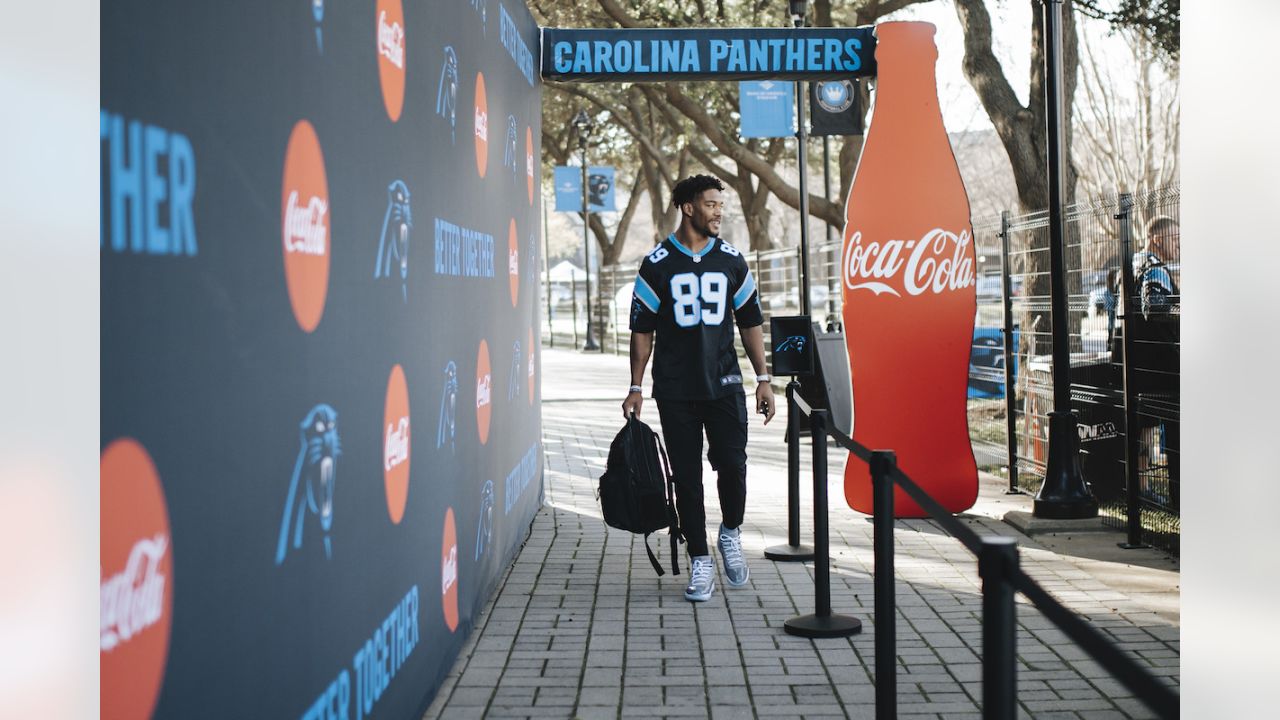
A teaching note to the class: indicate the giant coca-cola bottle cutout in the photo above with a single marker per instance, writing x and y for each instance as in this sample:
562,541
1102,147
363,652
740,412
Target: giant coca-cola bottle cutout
908,284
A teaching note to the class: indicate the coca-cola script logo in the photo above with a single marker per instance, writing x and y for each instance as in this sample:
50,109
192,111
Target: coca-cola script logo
482,127
304,212
484,392
395,444
391,50
513,261
449,571
137,581
941,261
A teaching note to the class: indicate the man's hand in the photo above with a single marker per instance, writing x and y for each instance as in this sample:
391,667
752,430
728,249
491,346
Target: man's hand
632,404
764,401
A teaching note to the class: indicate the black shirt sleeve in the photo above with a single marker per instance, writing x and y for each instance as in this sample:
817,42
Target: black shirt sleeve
645,300
746,298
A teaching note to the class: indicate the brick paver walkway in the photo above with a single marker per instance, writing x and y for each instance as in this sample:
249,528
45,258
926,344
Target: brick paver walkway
582,627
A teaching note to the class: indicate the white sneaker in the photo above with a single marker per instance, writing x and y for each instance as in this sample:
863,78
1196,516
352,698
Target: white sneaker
735,564
702,579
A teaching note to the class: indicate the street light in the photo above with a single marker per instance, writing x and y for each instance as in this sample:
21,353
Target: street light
582,123
797,10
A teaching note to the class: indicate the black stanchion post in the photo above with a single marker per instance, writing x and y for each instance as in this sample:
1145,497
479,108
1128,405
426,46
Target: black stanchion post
793,551
883,463
1010,355
1128,293
822,623
997,562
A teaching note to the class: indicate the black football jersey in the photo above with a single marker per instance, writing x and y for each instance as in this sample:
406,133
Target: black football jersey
686,300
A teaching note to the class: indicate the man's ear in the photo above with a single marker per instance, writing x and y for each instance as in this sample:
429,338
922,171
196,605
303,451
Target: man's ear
686,209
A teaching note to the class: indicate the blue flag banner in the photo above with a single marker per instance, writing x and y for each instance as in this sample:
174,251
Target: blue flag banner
600,195
767,108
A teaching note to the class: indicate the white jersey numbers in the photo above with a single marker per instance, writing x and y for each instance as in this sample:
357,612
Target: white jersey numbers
699,299
729,249
658,254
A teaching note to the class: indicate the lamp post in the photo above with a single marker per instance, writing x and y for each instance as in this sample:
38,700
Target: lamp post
797,11
1064,494
582,123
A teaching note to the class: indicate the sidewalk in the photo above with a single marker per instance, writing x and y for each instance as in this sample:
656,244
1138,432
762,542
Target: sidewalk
582,627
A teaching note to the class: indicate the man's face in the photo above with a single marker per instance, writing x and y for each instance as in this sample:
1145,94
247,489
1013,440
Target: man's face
705,212
1165,243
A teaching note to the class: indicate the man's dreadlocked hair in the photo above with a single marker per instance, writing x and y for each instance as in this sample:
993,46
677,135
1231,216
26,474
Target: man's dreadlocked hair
688,189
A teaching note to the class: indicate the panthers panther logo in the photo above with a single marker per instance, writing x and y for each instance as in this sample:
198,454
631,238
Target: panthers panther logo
509,155
448,408
393,246
791,343
485,529
517,368
447,93
311,488
597,187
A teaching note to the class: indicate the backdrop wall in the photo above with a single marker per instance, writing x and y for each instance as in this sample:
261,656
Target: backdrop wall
320,387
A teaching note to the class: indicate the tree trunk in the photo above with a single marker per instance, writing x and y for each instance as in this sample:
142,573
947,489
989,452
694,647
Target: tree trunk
1023,132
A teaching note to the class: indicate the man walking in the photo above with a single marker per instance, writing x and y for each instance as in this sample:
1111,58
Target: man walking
685,292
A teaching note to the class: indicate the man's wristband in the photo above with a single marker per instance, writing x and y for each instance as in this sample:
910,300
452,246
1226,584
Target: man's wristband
637,389
764,378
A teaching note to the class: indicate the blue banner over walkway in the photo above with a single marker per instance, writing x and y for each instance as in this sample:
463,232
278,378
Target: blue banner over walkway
593,55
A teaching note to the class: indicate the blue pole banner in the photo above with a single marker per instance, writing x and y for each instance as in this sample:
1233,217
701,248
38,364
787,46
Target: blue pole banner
568,181
600,189
643,55
767,108
600,181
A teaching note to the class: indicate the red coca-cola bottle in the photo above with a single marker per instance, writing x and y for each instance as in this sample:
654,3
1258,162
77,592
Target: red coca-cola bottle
908,285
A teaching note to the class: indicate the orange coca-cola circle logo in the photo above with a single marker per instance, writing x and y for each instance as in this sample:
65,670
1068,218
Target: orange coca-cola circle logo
513,261
395,444
391,55
449,572
304,214
482,127
532,354
137,581
528,160
484,392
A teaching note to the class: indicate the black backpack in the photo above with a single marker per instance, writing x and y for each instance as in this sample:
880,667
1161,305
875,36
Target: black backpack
636,491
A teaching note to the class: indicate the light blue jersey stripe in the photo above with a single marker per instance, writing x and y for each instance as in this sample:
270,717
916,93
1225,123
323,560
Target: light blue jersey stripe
687,251
741,297
647,295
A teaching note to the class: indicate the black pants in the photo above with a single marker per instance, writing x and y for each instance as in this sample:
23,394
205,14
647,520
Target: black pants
725,423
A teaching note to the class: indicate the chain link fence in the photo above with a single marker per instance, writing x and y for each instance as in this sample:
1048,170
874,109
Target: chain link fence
1123,278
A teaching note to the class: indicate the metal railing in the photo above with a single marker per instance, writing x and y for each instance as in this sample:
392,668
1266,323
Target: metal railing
1001,577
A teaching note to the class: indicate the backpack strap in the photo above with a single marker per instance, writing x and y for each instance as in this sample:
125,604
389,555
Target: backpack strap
653,559
673,517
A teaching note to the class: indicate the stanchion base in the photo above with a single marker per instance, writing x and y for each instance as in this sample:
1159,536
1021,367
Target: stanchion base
789,553
815,626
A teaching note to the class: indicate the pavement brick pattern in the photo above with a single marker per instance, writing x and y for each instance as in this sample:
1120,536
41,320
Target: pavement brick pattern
581,627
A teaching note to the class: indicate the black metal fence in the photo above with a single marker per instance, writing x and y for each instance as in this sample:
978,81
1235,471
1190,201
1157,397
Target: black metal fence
1124,305
1124,365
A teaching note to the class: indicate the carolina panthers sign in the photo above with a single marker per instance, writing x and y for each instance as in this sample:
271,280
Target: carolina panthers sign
643,55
